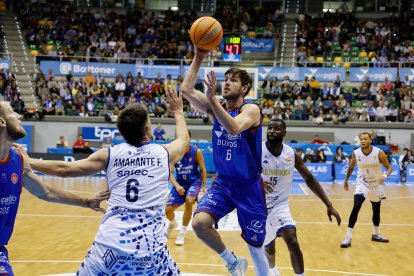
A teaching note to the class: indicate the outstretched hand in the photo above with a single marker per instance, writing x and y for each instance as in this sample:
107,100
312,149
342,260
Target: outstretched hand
211,83
175,100
94,203
333,212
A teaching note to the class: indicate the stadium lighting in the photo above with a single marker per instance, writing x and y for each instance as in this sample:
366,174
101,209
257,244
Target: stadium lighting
174,8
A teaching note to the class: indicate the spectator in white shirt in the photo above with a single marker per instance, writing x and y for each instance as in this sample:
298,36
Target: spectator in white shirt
382,112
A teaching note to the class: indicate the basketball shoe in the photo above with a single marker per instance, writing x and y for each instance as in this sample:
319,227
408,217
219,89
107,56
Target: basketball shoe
239,267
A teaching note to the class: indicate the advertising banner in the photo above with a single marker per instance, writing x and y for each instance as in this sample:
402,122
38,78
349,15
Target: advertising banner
341,169
321,171
374,74
26,141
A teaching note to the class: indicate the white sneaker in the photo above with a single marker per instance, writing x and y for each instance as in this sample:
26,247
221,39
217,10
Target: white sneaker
239,267
171,226
346,243
180,238
274,272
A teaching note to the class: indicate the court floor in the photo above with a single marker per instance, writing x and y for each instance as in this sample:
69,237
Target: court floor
52,239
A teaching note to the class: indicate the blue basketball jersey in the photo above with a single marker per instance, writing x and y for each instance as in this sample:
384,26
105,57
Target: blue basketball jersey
186,170
11,174
237,156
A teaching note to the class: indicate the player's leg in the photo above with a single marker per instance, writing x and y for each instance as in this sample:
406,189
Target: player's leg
5,267
188,211
270,251
211,208
296,256
191,192
376,217
174,200
359,199
252,214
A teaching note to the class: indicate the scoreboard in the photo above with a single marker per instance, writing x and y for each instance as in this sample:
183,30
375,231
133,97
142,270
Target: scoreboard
232,48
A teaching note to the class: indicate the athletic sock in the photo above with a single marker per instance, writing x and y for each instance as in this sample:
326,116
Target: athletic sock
375,231
300,274
183,229
349,232
228,256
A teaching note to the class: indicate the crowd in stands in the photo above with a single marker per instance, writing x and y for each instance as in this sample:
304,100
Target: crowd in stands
332,102
58,28
342,37
93,95
9,91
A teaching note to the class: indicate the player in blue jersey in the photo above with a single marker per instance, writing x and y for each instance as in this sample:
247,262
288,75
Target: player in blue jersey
237,136
187,184
15,173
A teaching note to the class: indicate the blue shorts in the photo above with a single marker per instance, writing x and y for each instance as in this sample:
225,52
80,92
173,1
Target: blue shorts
191,189
5,267
249,200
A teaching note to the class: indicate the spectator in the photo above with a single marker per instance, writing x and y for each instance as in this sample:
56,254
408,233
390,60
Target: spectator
81,146
381,112
339,156
62,143
322,156
308,156
316,158
159,132
107,143
316,140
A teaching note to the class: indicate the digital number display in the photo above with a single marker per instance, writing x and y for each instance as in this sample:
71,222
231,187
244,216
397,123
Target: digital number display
232,45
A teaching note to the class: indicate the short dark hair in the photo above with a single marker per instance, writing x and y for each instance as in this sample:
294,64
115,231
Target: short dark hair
365,133
131,123
245,77
278,120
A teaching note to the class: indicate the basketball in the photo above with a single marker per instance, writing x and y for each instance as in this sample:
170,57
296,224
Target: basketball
206,33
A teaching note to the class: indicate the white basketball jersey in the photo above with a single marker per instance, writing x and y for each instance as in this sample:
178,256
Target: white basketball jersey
369,165
278,170
137,178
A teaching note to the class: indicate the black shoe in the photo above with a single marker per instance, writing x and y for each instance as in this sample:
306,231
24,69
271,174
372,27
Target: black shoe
379,238
346,243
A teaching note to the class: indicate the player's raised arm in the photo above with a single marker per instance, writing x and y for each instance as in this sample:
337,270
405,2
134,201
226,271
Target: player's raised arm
95,163
316,188
177,148
250,113
196,98
47,192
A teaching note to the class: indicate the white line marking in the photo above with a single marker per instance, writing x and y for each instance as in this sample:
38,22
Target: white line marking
303,189
210,265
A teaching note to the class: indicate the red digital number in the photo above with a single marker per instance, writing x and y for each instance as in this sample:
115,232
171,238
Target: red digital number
237,49
229,49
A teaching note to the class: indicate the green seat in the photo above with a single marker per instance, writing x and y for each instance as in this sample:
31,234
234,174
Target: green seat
260,30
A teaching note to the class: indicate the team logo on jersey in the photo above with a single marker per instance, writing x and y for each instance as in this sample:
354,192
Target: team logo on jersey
14,178
288,159
190,159
219,133
266,162
2,269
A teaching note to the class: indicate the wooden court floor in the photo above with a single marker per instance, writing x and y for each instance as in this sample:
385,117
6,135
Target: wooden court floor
53,239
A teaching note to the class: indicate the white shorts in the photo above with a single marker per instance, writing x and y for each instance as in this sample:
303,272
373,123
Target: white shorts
278,219
101,261
373,192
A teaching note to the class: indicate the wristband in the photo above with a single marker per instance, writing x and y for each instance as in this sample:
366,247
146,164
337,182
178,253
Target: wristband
385,175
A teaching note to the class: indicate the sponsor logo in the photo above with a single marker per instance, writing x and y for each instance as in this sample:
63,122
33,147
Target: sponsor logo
8,200
372,76
288,158
256,226
109,258
254,237
14,178
65,67
102,133
2,268
318,169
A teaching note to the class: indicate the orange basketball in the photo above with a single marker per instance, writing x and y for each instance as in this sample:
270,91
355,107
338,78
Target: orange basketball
206,33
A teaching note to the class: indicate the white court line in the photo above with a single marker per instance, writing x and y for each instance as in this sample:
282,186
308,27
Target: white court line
349,199
213,265
297,222
303,189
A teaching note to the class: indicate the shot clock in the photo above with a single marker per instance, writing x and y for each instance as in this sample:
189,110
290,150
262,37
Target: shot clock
232,48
